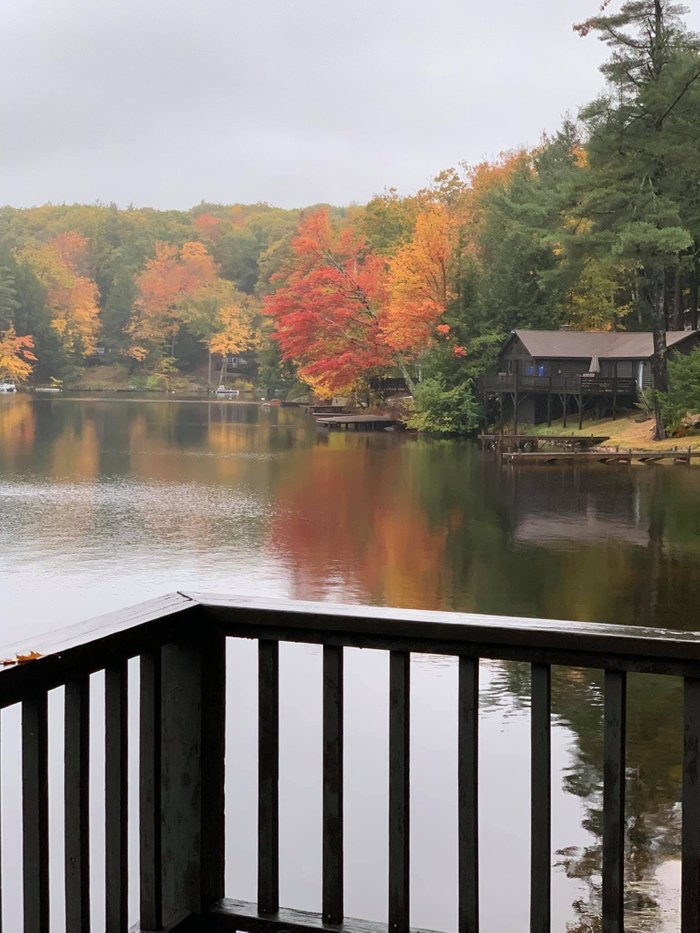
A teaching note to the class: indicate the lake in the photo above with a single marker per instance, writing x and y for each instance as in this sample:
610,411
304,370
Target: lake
108,501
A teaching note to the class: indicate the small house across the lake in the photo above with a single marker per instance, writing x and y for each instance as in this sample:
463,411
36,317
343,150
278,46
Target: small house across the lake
546,373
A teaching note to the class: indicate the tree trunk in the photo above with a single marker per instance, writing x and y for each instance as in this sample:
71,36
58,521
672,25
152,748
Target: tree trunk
409,381
209,371
677,301
694,294
659,363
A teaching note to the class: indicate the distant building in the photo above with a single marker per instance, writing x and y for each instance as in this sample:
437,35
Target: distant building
544,373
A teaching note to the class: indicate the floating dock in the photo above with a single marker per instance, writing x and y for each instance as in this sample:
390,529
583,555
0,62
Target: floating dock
599,456
504,442
359,422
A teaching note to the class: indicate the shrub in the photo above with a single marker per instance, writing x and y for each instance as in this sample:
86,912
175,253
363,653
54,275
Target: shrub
439,410
683,395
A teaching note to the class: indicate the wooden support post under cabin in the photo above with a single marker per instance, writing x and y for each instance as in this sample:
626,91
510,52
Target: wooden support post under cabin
549,403
500,399
565,402
515,406
614,398
580,402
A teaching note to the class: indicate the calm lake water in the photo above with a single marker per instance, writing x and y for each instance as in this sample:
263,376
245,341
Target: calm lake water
105,502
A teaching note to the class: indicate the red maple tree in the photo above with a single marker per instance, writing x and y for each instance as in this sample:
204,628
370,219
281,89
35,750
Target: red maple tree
329,305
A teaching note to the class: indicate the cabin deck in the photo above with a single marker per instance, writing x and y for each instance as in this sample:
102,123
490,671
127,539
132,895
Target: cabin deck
587,385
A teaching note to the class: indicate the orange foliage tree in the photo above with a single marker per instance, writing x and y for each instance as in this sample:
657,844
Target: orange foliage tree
420,282
169,278
71,295
16,357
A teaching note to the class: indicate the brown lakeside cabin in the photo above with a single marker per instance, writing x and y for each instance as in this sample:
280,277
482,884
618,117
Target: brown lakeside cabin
550,373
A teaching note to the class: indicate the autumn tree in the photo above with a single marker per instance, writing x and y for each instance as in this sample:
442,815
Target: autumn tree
71,296
420,283
16,356
328,306
221,318
170,277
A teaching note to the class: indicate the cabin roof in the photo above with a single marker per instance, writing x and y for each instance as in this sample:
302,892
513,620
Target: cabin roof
609,345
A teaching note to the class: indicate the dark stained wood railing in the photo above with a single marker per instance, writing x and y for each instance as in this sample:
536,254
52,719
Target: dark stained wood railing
588,385
180,642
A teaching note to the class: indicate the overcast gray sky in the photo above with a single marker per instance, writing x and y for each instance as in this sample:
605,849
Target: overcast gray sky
165,103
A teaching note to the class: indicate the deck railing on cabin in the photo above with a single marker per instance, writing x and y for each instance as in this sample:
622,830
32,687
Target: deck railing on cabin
180,641
586,384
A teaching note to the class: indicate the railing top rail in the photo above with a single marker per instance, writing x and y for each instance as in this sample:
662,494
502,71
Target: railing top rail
490,635
90,646
87,646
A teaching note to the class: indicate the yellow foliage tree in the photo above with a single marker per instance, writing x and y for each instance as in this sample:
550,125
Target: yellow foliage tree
16,357
420,282
597,301
72,298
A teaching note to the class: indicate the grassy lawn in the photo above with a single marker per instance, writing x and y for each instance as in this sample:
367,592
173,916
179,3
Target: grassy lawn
623,431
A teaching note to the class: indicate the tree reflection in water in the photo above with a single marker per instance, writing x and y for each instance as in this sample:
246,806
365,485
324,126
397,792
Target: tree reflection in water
145,491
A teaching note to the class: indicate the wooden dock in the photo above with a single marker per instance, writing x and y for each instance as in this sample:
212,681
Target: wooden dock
513,442
599,456
359,422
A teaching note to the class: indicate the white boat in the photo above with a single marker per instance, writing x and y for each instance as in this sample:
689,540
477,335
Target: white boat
50,389
227,393
7,387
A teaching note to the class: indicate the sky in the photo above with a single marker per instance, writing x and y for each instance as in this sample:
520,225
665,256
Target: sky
162,103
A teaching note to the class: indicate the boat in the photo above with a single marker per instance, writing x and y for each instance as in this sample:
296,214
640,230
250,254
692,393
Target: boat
224,392
6,387
53,390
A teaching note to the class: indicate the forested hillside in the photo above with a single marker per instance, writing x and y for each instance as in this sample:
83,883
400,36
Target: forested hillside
597,227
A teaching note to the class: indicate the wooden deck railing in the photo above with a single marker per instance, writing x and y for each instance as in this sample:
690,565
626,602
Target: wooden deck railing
180,641
588,385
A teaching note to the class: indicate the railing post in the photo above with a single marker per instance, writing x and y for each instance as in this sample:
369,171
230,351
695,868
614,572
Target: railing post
690,889
614,801
399,790
182,779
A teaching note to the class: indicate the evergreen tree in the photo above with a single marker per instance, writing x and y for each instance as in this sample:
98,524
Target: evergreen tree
8,297
638,141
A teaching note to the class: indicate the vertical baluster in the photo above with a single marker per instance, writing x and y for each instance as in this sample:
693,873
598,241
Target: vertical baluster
399,790
116,798
213,731
468,794
332,784
150,838
35,813
541,804
0,825
690,897
614,802
77,805
268,777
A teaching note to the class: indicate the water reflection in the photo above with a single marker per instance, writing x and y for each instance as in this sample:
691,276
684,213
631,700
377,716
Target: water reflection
104,502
